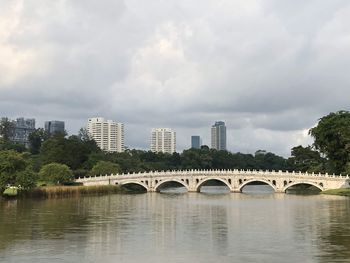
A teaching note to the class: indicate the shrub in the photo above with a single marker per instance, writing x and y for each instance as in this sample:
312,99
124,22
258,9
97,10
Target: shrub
56,173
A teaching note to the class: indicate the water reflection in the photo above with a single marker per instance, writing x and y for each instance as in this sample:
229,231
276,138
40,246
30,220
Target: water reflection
334,235
257,189
191,227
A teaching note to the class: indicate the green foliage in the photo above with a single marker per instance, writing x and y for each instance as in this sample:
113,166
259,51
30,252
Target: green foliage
36,138
26,179
56,173
105,167
15,170
73,191
80,173
306,159
197,159
204,158
8,145
7,129
94,158
332,138
340,191
72,151
270,161
129,161
11,162
84,135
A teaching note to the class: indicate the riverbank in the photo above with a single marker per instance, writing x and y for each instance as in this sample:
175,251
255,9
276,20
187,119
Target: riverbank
341,192
71,191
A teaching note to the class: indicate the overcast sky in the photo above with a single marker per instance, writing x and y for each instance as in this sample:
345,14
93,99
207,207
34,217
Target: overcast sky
268,68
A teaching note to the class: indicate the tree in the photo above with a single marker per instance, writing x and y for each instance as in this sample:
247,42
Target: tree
12,164
7,129
222,160
270,161
197,159
105,167
332,138
72,151
84,135
36,138
306,159
8,145
26,179
56,173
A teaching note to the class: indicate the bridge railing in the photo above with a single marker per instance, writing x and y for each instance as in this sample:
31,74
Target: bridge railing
196,172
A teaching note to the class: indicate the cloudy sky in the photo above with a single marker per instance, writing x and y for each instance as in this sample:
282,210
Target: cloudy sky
269,68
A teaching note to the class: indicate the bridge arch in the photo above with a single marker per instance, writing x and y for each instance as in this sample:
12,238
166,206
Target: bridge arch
131,182
200,183
303,182
156,187
257,180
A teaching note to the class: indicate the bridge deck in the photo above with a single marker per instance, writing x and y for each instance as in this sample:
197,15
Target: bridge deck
234,179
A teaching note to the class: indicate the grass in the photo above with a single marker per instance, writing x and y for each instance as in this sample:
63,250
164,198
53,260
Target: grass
341,191
72,191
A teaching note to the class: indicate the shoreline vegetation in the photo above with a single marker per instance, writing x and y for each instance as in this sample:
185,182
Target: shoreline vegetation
69,191
63,191
340,192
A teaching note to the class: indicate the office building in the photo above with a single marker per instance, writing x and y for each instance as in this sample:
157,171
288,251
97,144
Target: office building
109,135
218,136
163,140
196,142
22,128
54,127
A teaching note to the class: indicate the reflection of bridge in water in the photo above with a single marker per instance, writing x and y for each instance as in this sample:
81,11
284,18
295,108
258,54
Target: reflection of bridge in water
235,180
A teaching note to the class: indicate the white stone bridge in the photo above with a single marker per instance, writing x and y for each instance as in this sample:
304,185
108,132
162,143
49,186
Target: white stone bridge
235,180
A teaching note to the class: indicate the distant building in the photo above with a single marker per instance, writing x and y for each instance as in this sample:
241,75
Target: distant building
196,142
109,135
23,127
163,140
218,136
54,127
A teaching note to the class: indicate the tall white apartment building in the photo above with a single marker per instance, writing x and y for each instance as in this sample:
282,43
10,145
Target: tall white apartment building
109,135
163,140
218,136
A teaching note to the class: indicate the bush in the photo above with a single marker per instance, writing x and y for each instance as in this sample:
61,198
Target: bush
26,179
11,163
56,173
103,167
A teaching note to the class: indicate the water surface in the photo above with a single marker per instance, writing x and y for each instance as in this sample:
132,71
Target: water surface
212,226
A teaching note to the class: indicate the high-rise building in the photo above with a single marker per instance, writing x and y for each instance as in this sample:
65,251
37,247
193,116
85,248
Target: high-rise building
22,128
163,140
218,136
196,142
109,135
54,127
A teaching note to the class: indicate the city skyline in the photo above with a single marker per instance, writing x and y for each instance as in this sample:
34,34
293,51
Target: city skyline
55,126
207,142
270,70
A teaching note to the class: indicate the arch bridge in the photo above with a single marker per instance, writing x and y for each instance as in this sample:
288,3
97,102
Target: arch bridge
235,180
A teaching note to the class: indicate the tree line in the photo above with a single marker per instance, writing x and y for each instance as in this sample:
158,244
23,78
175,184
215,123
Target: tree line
58,158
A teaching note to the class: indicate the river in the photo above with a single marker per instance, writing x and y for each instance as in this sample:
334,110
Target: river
255,226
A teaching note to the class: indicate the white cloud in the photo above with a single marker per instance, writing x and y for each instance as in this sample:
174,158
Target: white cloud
270,70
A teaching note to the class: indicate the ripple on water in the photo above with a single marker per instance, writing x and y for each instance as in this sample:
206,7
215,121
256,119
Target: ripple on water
177,227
